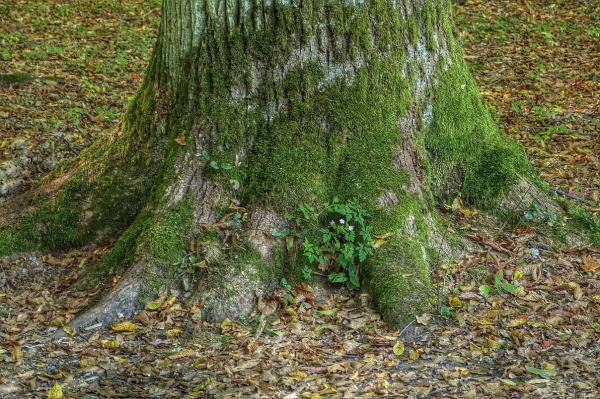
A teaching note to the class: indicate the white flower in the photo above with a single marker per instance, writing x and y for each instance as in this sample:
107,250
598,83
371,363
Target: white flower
350,228
332,222
342,221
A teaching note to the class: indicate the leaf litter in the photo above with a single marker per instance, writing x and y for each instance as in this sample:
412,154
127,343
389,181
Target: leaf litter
533,332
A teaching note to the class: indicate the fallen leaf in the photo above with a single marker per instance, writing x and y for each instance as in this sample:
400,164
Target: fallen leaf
398,348
589,264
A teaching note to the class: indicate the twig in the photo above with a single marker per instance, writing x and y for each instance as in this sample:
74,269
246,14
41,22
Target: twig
571,196
408,325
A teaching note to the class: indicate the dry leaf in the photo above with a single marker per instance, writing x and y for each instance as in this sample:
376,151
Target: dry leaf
181,139
55,392
125,326
398,348
589,264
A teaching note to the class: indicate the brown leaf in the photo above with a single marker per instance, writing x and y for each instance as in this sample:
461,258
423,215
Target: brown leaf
589,264
181,139
306,291
264,387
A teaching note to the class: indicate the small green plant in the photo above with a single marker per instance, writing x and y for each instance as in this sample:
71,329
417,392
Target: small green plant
339,247
535,210
306,272
547,134
285,284
590,220
498,285
214,164
184,268
253,322
75,114
532,211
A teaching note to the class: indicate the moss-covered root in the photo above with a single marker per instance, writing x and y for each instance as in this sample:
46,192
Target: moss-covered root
398,278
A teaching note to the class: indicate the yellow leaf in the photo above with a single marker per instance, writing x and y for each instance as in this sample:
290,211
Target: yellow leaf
298,374
174,333
57,322
455,302
69,330
518,274
52,376
328,389
55,392
170,300
207,382
125,326
517,322
153,305
109,344
291,312
398,348
595,298
379,240
311,395
226,325
415,354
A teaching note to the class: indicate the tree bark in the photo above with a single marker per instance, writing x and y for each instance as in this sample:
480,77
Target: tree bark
254,107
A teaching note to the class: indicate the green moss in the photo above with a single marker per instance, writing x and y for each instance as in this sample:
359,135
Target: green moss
121,255
14,78
398,278
167,233
466,145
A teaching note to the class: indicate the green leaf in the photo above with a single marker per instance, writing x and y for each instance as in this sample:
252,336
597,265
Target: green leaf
319,329
338,277
214,164
289,242
328,312
226,166
538,381
541,372
564,336
508,287
508,382
445,311
280,232
485,289
498,277
354,280
285,284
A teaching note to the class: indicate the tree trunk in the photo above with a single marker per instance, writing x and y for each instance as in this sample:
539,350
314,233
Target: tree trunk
252,108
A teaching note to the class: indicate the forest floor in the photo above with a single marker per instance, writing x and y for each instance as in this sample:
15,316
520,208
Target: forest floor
520,317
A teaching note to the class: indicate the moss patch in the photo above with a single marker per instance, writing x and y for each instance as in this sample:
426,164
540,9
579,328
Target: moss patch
398,278
466,144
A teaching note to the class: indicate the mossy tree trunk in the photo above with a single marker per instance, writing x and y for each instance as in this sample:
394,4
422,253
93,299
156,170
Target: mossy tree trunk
267,105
